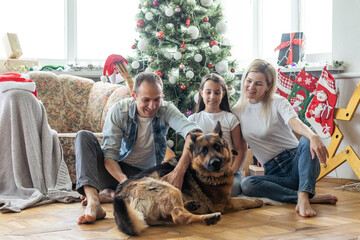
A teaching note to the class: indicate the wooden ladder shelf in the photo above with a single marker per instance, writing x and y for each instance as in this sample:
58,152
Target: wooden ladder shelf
348,154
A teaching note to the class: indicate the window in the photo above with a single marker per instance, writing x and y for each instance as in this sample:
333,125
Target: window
39,25
105,27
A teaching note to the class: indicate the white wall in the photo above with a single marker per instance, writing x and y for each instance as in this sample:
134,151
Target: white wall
346,46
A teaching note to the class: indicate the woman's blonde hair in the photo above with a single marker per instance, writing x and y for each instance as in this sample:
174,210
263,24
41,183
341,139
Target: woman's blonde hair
264,67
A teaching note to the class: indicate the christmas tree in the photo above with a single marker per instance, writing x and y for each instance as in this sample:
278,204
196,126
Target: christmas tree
181,41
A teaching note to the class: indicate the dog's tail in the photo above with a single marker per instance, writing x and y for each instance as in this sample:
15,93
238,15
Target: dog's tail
128,220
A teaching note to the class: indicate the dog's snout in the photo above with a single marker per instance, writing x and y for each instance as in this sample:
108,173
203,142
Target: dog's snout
215,164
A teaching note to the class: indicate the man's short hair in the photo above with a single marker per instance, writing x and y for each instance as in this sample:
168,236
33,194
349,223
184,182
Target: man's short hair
149,77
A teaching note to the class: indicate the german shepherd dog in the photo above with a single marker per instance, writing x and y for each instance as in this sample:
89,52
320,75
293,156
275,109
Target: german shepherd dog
146,200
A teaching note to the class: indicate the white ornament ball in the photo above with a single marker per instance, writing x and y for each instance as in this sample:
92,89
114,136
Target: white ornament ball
177,9
189,74
177,55
221,67
193,31
167,55
215,48
172,79
149,16
170,143
196,97
206,3
221,27
143,45
191,1
198,57
169,12
135,64
148,69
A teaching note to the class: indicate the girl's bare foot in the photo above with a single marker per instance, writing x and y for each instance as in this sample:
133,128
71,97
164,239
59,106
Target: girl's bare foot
324,198
303,205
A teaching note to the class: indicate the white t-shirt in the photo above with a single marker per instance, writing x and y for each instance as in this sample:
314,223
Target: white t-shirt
143,153
208,121
268,137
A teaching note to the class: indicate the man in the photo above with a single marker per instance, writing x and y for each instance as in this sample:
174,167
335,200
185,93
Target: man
134,139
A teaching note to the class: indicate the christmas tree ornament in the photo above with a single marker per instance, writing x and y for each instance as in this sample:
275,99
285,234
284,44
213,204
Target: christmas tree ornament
146,4
143,45
206,19
213,42
231,91
284,84
170,143
232,70
221,67
160,35
155,3
139,6
320,113
182,66
167,55
189,74
196,97
193,31
177,55
172,79
188,112
140,23
133,46
177,9
192,1
215,48
149,16
206,3
198,57
169,11
151,59
182,46
158,73
135,64
210,66
182,87
221,27
188,22
148,69
300,96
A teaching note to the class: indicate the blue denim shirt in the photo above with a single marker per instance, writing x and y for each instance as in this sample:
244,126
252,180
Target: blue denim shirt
120,128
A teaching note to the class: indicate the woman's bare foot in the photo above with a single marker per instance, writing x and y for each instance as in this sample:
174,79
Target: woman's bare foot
324,198
303,205
105,196
93,210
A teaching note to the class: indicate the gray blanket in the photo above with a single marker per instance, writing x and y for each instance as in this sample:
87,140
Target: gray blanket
32,168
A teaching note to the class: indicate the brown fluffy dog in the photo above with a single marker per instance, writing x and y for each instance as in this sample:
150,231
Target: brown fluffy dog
146,200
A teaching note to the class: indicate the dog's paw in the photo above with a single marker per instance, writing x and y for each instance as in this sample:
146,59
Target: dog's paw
258,202
192,205
213,219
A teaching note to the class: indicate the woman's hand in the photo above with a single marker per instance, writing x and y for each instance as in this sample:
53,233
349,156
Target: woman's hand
316,146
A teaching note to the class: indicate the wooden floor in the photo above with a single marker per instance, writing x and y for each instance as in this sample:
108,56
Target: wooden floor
58,221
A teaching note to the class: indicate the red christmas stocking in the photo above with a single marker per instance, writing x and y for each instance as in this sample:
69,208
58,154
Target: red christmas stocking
301,94
320,113
284,85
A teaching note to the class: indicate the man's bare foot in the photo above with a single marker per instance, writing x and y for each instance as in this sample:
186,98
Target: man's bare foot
303,205
105,196
93,210
324,198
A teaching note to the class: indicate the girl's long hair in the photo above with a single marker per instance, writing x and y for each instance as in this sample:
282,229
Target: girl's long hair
264,67
224,105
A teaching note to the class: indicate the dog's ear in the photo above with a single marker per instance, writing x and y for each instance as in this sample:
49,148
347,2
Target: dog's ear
193,137
234,152
218,129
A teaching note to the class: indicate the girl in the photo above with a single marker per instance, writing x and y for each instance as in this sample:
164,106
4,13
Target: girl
213,105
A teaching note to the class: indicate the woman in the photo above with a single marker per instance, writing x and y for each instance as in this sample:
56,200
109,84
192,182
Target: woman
267,121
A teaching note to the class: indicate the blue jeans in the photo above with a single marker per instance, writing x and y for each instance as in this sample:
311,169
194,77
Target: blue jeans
291,172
